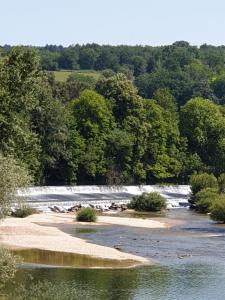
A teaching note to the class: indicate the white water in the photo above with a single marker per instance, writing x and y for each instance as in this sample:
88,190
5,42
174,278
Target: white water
43,197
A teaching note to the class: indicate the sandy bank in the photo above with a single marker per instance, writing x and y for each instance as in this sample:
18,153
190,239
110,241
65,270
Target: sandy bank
134,222
46,231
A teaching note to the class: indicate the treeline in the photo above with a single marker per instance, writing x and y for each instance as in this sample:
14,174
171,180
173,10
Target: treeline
188,71
81,132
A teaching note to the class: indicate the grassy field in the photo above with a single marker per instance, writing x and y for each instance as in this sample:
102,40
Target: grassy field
62,75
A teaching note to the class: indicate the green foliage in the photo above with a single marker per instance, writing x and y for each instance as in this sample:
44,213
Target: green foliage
19,81
123,95
162,153
165,99
64,132
8,264
148,202
218,210
204,199
221,183
86,215
12,176
204,126
202,181
92,120
24,210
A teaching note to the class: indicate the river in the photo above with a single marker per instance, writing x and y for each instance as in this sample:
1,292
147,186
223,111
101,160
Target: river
190,263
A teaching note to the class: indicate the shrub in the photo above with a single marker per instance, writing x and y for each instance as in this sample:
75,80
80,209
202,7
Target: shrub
8,263
12,177
218,210
204,199
24,211
148,202
201,181
87,215
221,183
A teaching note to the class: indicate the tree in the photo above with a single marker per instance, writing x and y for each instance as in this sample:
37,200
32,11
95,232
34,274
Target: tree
200,182
204,199
49,60
165,99
204,126
19,81
68,59
93,121
50,123
217,211
139,64
87,58
162,153
128,111
119,153
13,175
123,95
221,183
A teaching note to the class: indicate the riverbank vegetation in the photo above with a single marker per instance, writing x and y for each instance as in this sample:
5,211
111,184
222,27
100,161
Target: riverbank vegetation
148,202
23,210
13,175
208,195
86,215
8,266
148,115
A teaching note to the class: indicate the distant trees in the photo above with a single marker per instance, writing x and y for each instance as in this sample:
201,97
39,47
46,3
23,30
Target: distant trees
101,128
186,70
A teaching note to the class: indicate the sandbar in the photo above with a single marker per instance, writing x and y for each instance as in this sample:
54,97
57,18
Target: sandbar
45,231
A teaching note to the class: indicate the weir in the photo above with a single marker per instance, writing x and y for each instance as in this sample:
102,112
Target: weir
67,196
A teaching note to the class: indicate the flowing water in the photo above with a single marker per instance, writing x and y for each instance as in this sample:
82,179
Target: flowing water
43,197
190,262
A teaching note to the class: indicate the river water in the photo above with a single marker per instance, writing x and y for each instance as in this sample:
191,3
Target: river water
189,257
190,261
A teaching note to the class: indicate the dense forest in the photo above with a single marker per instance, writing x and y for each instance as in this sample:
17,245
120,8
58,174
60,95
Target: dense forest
154,114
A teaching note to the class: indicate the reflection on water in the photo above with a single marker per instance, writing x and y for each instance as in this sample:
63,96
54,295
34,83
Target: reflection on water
54,258
186,282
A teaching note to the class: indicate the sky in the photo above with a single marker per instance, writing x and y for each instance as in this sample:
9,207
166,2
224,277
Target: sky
115,22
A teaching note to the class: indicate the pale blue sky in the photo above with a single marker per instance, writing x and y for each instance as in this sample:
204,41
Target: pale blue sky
158,22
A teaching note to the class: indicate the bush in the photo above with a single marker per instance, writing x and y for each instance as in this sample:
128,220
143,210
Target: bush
202,181
86,215
148,202
204,199
221,183
218,210
24,211
12,177
8,263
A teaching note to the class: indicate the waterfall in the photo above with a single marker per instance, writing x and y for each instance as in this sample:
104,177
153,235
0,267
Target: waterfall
67,196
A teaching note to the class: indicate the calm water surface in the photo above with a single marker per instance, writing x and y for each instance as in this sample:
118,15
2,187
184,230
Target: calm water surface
191,263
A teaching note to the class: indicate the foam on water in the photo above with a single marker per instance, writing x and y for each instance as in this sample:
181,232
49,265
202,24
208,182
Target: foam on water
67,196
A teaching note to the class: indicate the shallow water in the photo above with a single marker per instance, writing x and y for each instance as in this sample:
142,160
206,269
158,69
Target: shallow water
183,281
62,259
191,263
